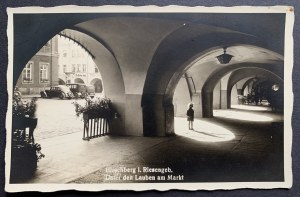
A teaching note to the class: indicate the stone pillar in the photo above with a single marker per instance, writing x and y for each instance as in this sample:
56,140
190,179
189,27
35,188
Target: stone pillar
207,104
233,97
54,61
133,115
169,119
239,92
118,122
158,119
223,99
217,97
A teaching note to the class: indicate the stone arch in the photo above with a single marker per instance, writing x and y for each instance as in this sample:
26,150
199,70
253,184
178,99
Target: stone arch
177,48
209,85
241,83
237,94
160,86
97,83
166,82
106,62
247,83
240,74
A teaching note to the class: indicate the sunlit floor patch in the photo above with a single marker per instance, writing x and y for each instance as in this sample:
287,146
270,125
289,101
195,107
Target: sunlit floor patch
203,131
242,115
251,107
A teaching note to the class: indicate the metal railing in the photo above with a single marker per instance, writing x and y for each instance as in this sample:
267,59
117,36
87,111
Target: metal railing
95,127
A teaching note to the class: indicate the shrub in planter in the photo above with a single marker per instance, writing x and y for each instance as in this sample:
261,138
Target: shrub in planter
96,108
24,154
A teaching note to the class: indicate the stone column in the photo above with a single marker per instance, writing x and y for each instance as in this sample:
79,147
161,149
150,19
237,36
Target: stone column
239,92
223,99
158,118
207,104
133,115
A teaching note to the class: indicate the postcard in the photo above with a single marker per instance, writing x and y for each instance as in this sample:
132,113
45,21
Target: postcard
141,98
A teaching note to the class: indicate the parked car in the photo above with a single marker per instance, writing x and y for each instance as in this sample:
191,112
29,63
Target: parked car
60,91
81,90
78,89
90,90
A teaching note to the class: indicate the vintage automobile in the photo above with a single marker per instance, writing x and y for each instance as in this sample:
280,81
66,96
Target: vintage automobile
60,91
90,90
81,90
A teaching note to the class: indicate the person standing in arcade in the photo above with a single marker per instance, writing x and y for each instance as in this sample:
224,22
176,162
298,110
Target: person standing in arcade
190,116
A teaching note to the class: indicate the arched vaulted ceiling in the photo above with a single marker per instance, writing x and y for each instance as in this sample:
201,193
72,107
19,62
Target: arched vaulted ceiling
147,53
152,51
142,42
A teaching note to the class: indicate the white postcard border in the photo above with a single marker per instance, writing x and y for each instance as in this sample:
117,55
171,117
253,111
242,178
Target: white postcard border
288,101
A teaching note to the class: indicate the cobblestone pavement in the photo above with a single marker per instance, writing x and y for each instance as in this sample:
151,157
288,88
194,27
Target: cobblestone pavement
56,117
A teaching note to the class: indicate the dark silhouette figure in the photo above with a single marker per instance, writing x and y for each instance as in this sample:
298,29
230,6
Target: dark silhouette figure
190,116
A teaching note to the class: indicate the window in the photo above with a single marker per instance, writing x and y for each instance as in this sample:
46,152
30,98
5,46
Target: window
44,73
65,54
84,68
78,68
96,69
65,68
73,68
27,73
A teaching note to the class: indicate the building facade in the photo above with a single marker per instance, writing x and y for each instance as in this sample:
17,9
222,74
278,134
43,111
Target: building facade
76,65
41,71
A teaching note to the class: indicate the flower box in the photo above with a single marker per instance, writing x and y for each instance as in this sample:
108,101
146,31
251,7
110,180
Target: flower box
97,116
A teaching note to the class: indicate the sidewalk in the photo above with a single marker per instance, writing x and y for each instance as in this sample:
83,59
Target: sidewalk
69,157
30,96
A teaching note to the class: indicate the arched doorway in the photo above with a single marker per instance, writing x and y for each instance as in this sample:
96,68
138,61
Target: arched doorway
97,83
261,80
61,82
78,80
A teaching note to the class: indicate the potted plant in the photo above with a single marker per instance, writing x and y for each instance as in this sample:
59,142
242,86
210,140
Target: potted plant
25,152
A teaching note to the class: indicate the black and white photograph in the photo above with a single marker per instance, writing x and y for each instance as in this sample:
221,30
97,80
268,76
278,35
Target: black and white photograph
140,98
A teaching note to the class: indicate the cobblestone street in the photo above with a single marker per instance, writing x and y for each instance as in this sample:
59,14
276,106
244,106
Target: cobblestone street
56,117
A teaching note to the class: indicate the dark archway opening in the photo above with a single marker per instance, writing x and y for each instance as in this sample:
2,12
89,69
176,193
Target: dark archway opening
97,83
78,80
61,82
